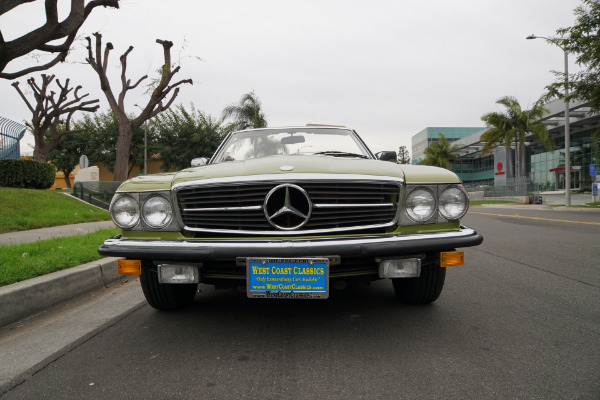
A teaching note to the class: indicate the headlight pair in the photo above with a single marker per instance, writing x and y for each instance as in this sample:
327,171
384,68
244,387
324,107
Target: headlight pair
156,212
421,204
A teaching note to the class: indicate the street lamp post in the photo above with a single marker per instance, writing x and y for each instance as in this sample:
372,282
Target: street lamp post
145,143
567,125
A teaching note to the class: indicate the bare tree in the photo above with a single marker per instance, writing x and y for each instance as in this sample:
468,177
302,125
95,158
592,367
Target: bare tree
40,38
155,104
49,110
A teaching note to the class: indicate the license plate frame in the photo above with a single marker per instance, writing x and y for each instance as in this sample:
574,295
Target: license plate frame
291,278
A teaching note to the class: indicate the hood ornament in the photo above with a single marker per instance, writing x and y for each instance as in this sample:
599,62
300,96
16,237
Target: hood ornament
287,207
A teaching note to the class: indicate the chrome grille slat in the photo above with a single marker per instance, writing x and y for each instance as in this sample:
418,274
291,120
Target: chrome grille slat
223,199
352,206
226,193
219,218
349,218
232,207
342,214
222,209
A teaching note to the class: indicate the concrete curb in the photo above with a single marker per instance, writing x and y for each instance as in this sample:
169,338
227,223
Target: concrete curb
26,298
542,207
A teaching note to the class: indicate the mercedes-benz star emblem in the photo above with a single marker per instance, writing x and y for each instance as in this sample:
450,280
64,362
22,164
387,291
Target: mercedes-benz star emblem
287,207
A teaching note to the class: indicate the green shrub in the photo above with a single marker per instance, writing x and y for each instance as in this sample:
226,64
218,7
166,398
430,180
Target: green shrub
26,174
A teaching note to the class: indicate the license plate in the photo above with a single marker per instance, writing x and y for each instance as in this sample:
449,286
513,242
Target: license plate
292,278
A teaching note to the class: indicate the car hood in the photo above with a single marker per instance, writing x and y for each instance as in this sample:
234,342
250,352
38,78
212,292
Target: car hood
293,165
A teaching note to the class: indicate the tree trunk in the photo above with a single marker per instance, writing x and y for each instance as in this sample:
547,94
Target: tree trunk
67,179
120,173
523,172
40,154
131,167
516,160
511,166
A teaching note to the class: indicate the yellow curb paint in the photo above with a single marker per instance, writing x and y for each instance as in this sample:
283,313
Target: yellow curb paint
538,218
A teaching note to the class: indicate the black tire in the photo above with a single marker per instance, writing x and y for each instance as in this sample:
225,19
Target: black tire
163,296
426,288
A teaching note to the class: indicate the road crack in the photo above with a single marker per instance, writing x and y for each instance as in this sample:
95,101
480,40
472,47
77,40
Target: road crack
535,267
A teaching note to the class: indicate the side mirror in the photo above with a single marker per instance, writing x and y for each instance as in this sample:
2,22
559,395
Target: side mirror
387,156
197,162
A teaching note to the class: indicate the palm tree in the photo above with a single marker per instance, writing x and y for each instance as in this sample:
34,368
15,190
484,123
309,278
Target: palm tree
440,153
513,126
596,145
247,112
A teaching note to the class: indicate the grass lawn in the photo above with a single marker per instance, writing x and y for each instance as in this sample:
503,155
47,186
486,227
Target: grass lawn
586,205
28,260
480,202
24,209
592,205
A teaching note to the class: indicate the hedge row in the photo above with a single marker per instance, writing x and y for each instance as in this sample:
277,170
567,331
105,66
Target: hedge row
27,174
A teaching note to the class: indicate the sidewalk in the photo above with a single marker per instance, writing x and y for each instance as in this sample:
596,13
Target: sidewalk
558,197
550,201
55,231
23,299
556,201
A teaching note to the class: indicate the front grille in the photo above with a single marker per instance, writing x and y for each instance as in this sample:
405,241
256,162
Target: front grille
239,207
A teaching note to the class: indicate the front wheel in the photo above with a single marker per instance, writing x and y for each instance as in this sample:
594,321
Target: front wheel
163,296
426,288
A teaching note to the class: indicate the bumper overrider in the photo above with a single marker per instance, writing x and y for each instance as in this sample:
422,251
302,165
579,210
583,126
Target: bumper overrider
199,250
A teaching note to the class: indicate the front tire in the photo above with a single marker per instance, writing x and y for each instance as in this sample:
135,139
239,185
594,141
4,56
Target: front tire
426,288
163,296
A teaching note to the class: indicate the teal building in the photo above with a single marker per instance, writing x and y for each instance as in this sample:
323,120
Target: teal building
541,168
423,139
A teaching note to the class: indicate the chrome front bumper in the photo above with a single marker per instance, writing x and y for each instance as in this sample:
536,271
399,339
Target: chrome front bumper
200,250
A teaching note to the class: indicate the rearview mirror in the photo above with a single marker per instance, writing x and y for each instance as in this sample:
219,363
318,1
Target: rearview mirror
387,156
292,139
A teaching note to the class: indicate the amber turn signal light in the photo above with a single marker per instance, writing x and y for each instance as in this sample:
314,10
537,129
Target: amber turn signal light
452,258
130,267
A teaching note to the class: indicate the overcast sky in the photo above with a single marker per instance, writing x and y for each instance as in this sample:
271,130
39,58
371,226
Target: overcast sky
385,68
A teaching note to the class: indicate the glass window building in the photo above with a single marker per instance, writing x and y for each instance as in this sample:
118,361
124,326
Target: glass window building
423,139
544,168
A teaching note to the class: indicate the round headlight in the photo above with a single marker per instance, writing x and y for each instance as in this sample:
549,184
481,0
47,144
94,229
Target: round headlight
453,203
125,212
157,212
420,205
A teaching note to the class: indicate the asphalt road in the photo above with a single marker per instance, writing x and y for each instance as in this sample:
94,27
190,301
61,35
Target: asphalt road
520,320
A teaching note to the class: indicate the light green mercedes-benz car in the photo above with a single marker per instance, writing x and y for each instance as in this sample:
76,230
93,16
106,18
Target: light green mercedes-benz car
290,213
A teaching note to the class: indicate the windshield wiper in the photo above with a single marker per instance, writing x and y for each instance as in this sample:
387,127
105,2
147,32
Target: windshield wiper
335,153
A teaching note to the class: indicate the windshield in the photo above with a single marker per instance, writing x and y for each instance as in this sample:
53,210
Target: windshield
246,145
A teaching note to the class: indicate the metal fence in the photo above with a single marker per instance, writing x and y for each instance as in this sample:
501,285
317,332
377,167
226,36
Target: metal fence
11,133
518,188
97,193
